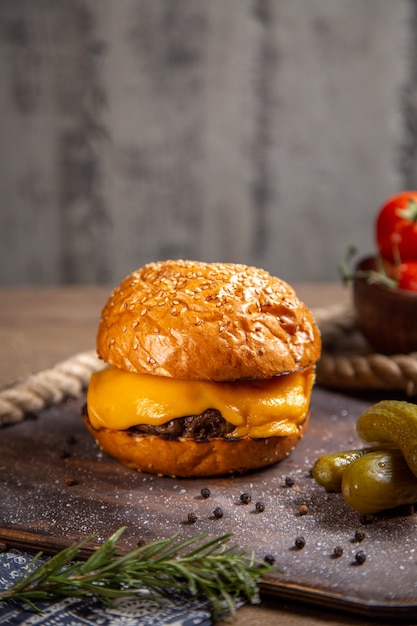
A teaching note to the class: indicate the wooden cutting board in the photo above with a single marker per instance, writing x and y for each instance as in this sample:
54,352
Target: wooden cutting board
57,487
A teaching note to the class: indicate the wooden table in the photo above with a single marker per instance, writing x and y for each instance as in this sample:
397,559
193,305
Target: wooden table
40,327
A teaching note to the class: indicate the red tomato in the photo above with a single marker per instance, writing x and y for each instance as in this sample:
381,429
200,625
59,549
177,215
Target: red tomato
396,228
407,276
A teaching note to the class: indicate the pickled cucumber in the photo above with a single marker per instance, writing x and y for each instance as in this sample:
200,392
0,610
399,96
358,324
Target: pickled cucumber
378,481
392,421
328,469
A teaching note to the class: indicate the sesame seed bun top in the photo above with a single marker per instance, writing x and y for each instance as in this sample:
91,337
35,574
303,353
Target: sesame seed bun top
206,321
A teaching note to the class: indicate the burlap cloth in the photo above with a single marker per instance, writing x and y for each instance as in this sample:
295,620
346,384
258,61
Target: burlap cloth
347,363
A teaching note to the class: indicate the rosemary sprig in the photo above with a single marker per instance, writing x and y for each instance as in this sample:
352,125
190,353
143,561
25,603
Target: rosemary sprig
378,275
199,567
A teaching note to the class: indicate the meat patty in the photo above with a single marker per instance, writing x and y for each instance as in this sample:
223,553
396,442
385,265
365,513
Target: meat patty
208,425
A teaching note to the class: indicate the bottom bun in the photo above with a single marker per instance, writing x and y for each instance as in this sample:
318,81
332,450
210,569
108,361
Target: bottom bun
188,458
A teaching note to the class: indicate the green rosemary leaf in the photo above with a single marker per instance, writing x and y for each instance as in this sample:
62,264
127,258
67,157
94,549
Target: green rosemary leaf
197,566
104,552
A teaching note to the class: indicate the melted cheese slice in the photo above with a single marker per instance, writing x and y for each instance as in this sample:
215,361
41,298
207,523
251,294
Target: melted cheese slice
118,400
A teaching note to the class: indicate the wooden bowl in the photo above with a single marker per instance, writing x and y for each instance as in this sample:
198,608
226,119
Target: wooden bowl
386,316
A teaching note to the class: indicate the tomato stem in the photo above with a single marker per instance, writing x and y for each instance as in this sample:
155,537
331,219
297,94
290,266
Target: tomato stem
378,275
410,212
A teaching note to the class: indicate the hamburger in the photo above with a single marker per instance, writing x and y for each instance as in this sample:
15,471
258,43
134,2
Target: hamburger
209,370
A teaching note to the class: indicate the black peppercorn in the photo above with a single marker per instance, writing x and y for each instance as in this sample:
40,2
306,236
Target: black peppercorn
70,481
299,543
268,558
260,507
218,512
289,482
205,492
192,517
360,557
245,498
359,536
337,552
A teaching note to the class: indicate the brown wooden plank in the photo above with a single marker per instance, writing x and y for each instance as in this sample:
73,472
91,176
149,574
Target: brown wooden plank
56,487
33,542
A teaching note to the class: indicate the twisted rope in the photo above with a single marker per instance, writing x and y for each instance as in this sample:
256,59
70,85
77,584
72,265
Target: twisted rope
67,379
347,363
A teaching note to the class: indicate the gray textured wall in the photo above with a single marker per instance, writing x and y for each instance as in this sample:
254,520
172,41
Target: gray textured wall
258,131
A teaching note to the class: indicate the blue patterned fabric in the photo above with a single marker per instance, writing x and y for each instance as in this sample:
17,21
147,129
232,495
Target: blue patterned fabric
134,611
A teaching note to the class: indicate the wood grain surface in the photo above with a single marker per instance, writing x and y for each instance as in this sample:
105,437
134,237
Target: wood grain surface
57,487
266,132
